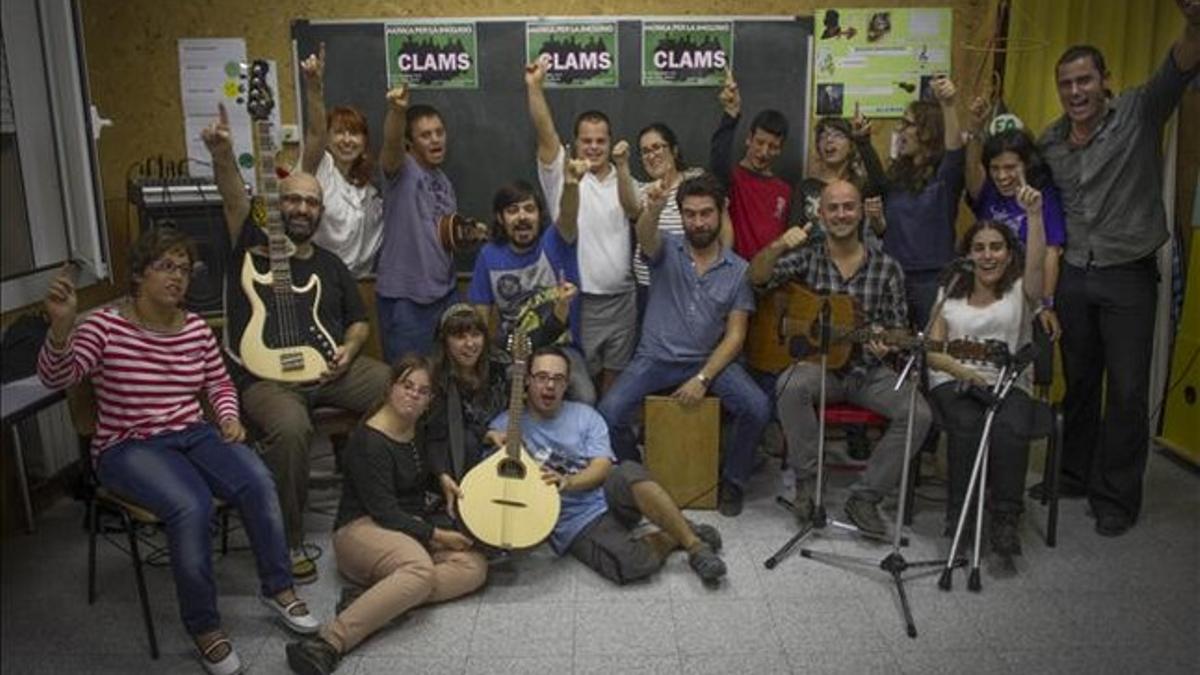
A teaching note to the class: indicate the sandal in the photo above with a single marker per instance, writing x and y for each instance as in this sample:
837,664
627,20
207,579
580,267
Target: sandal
229,664
295,615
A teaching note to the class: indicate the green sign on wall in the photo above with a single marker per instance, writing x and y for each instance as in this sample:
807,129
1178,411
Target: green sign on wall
432,55
686,53
576,53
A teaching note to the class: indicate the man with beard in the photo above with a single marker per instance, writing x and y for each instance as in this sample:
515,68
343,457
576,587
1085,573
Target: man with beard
281,411
1106,159
842,264
526,275
696,317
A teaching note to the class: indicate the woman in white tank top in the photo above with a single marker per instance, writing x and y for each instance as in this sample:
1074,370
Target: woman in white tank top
993,302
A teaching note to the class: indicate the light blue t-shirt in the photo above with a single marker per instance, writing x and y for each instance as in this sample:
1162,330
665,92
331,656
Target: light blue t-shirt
567,443
412,263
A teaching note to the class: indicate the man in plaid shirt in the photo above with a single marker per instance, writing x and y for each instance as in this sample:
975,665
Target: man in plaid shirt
842,264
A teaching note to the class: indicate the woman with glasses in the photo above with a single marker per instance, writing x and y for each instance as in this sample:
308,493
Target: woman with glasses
664,165
149,361
387,539
843,152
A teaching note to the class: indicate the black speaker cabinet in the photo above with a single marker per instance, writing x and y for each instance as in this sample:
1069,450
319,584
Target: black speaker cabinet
193,206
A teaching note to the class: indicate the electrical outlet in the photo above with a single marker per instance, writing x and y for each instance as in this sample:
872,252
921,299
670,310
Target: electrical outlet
290,132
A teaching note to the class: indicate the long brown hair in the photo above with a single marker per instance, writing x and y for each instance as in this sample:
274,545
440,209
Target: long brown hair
457,320
1016,259
352,120
905,172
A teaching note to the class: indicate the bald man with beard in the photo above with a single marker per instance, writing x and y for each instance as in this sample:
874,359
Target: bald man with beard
281,412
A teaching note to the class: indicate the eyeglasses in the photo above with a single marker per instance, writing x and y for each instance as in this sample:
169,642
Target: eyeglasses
415,389
292,199
167,266
654,148
831,134
544,378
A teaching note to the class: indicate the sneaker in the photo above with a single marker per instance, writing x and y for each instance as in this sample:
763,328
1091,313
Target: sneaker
730,501
294,614
312,656
707,565
865,516
707,534
219,657
1113,524
304,570
803,505
1005,541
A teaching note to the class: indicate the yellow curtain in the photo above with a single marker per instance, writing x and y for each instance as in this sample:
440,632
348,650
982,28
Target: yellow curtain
1133,35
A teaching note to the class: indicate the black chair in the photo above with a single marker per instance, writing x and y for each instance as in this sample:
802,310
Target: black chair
134,520
1048,424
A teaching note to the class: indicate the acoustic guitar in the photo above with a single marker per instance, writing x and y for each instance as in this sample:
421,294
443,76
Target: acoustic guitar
505,503
460,234
794,312
284,339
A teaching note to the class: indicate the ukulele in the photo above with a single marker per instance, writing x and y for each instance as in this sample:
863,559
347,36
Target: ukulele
284,339
505,503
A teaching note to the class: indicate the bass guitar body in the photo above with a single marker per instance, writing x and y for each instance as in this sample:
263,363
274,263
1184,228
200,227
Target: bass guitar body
506,504
284,340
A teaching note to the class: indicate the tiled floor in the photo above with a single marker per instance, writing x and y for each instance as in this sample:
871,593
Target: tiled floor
1093,605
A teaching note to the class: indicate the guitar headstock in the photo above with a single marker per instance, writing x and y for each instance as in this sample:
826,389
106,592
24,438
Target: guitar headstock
260,100
519,347
461,233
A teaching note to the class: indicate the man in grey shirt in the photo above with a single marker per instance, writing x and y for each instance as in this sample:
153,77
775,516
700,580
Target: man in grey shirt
1105,156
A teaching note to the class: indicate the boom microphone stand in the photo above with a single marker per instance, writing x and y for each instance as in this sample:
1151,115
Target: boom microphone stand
1009,373
820,519
894,562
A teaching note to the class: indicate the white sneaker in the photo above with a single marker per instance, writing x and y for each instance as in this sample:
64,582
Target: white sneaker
295,615
230,665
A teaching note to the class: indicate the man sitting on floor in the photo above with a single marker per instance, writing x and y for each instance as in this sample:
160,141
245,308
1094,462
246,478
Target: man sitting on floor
601,504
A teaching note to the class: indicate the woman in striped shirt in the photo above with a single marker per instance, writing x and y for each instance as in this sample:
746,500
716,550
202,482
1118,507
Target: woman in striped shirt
148,361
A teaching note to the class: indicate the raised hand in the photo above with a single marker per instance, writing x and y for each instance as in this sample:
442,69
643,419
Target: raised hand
576,169
61,303
216,136
397,98
943,90
656,195
979,109
794,237
730,98
620,152
313,67
860,125
535,73
1029,197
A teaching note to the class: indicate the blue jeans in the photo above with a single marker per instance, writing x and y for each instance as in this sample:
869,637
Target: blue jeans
175,476
740,396
406,326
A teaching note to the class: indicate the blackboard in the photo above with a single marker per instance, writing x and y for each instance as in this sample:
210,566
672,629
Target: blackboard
490,138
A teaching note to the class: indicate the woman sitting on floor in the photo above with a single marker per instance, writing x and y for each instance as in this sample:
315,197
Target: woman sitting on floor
149,361
994,302
387,539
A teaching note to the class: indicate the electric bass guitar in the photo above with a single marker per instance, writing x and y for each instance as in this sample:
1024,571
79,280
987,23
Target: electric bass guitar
505,502
284,339
796,315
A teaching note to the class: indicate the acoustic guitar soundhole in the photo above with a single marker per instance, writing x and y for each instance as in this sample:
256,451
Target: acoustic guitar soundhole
511,468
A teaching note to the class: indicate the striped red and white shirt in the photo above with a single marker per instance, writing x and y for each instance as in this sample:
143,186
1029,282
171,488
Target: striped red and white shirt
145,383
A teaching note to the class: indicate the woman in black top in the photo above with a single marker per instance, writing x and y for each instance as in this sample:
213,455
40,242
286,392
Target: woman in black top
386,536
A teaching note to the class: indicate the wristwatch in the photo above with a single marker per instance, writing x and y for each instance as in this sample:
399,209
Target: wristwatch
703,379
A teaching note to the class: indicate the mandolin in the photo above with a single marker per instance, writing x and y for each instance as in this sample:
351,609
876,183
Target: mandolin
505,502
284,339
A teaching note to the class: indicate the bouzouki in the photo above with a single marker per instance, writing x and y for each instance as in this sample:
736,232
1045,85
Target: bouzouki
505,502
796,315
284,339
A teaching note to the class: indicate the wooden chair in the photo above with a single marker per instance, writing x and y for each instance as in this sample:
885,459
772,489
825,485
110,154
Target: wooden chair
683,448
135,520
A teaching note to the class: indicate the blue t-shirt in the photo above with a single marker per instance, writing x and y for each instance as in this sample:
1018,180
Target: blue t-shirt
686,312
920,225
991,205
508,279
412,263
567,443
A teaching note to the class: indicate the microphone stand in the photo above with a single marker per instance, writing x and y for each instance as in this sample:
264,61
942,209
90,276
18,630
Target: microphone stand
894,563
820,519
1010,371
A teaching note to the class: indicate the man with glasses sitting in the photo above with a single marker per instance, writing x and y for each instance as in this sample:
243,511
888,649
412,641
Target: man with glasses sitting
602,504
281,411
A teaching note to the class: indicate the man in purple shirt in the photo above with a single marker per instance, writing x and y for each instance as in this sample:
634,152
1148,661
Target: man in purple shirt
699,305
416,274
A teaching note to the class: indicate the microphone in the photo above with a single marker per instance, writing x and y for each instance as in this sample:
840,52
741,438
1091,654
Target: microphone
963,265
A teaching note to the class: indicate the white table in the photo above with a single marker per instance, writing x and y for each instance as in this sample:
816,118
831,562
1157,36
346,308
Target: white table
18,400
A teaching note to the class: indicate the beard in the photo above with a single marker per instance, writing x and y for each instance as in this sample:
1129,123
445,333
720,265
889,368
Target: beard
701,238
299,229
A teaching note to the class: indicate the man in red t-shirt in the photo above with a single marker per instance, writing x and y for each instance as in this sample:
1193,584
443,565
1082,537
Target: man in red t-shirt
758,199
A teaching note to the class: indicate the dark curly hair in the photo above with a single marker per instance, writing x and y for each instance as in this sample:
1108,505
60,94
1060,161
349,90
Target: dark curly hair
1016,259
904,172
515,193
1020,143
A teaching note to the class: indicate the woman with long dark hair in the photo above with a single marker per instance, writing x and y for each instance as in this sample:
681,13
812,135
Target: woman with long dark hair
387,539
993,302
